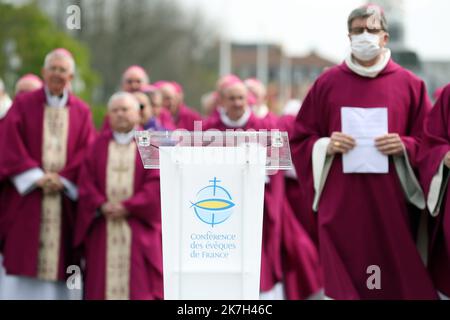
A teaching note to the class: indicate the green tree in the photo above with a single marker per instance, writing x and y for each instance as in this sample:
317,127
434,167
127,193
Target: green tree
169,41
27,35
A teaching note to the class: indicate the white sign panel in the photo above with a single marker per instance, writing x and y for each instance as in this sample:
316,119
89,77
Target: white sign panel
212,210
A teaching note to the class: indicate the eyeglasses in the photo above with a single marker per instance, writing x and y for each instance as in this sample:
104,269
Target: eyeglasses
360,30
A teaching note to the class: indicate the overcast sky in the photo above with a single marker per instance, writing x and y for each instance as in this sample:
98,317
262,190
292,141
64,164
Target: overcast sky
303,25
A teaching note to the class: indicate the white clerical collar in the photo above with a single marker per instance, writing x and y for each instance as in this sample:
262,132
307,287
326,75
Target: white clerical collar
242,121
123,138
56,101
369,72
260,111
5,105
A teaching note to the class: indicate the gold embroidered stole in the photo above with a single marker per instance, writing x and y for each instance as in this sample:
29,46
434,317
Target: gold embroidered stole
119,187
54,153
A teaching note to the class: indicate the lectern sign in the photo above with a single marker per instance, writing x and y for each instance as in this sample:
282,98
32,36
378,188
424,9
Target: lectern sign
212,198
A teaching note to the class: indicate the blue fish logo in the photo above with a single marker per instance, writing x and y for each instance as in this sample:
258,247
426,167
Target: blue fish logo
214,204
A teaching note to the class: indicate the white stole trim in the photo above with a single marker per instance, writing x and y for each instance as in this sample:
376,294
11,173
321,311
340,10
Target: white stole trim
5,105
369,72
442,296
54,156
120,170
437,190
408,180
321,164
422,238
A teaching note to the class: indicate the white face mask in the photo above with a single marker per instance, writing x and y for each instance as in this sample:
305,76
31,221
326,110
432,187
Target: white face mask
366,46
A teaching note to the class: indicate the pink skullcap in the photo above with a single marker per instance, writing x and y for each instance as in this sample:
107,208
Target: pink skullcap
160,84
139,69
166,84
177,86
230,82
30,76
225,79
64,52
135,67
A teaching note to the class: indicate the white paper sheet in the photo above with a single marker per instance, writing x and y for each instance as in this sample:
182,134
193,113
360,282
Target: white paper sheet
364,125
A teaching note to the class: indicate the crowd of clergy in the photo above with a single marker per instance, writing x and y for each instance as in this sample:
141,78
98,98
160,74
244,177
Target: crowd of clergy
74,195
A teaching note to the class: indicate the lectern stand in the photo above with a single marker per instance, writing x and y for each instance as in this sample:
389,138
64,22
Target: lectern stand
212,195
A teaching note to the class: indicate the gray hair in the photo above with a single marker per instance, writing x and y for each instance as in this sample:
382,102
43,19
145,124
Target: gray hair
123,95
60,55
366,12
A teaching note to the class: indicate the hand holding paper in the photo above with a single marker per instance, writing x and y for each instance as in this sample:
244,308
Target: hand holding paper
390,144
340,143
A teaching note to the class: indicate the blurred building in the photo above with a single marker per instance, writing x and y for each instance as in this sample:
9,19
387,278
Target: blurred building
434,73
287,77
395,15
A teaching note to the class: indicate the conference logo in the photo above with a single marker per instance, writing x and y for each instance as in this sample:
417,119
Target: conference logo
214,204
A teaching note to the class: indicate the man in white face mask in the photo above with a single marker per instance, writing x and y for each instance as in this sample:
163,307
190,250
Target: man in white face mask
368,33
363,216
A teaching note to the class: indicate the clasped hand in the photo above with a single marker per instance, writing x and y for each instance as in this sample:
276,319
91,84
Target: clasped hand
390,144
